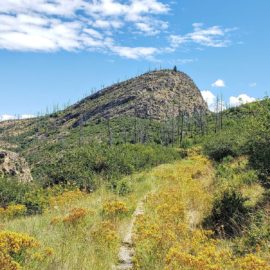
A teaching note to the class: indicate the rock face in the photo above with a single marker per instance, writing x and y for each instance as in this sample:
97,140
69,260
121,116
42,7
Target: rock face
157,95
13,165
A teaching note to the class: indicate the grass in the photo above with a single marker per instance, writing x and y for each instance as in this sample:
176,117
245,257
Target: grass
91,243
170,234
83,234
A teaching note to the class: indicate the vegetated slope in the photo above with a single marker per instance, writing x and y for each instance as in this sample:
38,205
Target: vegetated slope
170,235
141,110
84,231
156,95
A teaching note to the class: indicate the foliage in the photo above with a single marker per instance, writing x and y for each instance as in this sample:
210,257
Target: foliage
224,144
13,247
75,216
106,235
180,203
114,208
258,140
86,166
12,191
229,214
13,211
167,236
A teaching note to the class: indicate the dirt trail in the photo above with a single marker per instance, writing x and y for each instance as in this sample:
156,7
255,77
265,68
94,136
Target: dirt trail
126,252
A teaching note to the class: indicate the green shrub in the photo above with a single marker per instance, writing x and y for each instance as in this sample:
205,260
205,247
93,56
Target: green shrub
228,215
12,191
123,187
86,165
224,144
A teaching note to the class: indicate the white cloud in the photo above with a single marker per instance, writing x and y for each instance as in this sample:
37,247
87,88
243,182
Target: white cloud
152,27
218,83
241,99
71,25
210,99
215,103
134,53
27,116
5,117
214,36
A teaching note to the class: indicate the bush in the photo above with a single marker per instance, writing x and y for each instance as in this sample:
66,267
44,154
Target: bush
258,141
224,144
123,187
85,166
228,215
12,191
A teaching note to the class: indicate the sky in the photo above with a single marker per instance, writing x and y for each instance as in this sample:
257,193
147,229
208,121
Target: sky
55,52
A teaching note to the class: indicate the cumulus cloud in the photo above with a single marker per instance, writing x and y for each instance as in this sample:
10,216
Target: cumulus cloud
210,99
214,36
219,83
241,99
5,117
71,25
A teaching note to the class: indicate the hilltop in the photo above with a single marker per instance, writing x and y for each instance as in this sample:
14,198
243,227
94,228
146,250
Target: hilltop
157,95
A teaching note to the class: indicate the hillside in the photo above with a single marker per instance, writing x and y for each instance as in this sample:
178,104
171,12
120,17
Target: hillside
190,191
144,109
157,95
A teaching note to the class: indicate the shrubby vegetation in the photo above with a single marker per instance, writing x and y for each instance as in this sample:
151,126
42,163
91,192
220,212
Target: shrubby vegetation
198,216
86,166
229,214
246,133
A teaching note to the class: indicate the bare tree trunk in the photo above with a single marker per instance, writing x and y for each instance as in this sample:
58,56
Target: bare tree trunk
217,115
110,133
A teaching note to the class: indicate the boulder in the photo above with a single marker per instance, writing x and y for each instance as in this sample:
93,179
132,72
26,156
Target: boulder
11,164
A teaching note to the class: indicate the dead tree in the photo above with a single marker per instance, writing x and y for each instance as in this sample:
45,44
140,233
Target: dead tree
110,133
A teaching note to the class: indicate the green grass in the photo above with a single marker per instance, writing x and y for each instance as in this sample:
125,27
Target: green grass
74,246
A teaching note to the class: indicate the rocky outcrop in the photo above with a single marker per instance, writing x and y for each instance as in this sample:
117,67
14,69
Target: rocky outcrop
157,95
12,165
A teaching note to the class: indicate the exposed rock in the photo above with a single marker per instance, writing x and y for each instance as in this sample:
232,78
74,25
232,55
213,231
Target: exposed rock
11,164
156,95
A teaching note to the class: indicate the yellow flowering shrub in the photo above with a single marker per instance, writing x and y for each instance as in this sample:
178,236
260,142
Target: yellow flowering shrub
168,235
251,262
114,208
14,245
66,198
106,234
75,216
13,211
43,255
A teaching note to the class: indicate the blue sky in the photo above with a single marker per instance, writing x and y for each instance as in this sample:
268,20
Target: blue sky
56,52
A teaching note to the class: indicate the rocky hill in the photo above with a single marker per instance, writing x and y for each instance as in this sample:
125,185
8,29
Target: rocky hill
157,95
12,165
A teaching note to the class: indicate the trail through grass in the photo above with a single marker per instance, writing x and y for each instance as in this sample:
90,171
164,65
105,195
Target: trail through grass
156,226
